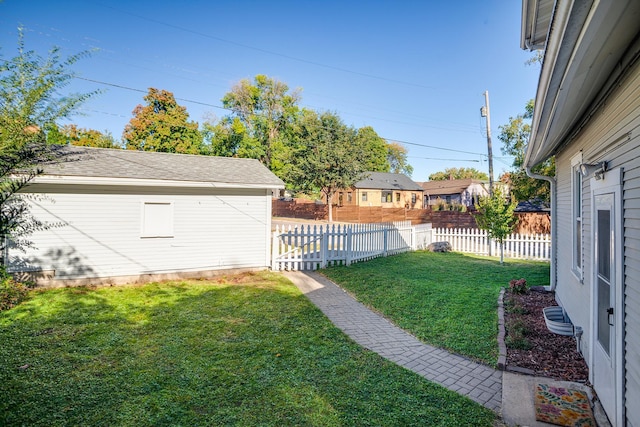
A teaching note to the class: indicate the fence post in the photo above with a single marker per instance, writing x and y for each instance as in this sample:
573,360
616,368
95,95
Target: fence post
348,245
414,239
323,247
385,241
274,248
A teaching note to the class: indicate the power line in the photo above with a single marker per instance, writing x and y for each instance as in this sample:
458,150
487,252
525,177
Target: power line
445,160
144,91
456,127
233,111
434,147
257,49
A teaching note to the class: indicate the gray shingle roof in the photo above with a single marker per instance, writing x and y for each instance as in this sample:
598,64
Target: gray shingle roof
114,163
388,181
453,186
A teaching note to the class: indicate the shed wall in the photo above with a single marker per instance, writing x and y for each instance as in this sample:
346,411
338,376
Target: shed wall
212,229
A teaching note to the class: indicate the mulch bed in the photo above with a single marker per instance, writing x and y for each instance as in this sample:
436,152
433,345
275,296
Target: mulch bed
551,355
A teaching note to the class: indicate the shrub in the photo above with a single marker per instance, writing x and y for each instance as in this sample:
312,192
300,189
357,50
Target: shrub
458,207
12,292
516,336
514,307
518,286
440,205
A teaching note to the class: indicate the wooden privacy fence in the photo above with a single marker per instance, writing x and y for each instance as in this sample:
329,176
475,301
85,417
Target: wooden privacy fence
520,246
312,247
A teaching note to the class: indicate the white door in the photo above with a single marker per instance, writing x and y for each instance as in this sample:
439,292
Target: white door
607,289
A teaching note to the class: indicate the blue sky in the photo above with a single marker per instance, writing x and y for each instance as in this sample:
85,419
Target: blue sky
415,71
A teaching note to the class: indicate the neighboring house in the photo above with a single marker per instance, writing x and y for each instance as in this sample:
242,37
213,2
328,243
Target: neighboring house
462,191
135,215
587,115
389,190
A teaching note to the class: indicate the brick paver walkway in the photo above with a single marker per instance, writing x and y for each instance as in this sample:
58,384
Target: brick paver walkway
372,331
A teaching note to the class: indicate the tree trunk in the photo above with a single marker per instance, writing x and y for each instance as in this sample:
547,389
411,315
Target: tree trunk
329,197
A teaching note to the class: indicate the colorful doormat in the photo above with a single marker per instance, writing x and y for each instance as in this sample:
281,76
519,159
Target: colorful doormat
562,406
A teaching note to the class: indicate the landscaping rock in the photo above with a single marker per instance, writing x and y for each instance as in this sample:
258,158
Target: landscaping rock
439,247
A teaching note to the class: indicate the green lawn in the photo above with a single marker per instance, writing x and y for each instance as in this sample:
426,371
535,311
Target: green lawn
448,300
246,350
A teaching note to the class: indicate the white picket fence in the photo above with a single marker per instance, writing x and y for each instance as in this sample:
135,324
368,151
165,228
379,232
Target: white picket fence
520,246
312,247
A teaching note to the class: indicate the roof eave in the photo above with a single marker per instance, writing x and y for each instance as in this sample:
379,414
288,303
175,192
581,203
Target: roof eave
587,51
535,23
107,181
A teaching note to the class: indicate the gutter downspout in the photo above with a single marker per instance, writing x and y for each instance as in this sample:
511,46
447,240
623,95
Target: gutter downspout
552,182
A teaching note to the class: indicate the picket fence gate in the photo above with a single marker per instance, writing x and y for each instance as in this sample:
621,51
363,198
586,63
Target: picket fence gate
520,246
312,247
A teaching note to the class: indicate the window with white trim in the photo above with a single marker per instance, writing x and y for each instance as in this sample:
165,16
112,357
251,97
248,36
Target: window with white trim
576,215
157,219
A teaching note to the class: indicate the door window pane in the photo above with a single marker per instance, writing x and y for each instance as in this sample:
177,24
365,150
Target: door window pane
604,243
603,278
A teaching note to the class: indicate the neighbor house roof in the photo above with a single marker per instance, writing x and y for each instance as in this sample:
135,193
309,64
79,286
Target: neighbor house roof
451,186
589,48
388,181
102,164
532,206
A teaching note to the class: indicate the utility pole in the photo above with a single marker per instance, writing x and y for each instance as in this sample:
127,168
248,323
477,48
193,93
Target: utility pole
485,112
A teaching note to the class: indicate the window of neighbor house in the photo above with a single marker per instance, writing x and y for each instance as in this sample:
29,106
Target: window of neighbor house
364,196
349,197
397,197
576,215
157,219
387,196
414,198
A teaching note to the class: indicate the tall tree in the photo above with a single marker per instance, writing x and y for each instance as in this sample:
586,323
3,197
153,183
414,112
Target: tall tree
515,137
330,157
377,147
162,125
496,216
459,173
224,137
264,108
74,135
397,158
31,102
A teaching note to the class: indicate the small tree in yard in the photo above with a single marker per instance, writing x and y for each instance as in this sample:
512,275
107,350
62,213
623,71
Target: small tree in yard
496,216
30,105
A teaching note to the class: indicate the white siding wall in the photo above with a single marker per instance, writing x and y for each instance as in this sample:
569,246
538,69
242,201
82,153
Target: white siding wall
213,229
613,134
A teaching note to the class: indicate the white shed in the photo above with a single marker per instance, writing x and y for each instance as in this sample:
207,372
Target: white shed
131,215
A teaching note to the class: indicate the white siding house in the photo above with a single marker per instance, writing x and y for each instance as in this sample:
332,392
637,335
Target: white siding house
130,215
463,191
587,115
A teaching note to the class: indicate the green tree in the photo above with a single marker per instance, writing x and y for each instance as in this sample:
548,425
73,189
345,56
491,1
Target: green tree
224,137
162,125
515,137
330,157
496,216
397,158
377,147
81,137
261,112
31,102
459,173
